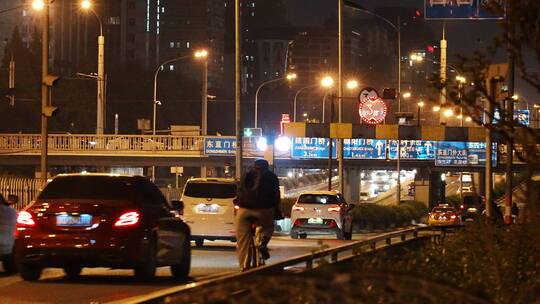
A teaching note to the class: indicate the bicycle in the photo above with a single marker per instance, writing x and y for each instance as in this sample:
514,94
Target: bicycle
255,254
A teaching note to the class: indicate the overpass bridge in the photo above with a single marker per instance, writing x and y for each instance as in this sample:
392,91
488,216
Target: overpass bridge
218,152
196,151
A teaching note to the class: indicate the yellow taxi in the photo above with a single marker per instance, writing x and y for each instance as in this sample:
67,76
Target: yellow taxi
443,215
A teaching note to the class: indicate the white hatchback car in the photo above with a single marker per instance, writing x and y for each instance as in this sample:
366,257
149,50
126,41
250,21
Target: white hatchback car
321,212
209,208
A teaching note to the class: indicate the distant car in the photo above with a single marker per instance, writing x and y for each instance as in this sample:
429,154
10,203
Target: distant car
443,215
471,206
101,220
364,196
321,212
209,208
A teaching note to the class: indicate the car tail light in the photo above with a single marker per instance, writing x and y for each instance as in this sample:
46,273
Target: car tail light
461,206
26,219
295,207
297,222
332,223
127,219
334,209
453,216
236,207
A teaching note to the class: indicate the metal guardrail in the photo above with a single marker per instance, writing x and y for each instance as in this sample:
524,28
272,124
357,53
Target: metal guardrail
356,248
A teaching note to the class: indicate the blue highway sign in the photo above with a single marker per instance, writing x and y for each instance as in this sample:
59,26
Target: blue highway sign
456,153
360,148
413,149
305,147
219,146
458,9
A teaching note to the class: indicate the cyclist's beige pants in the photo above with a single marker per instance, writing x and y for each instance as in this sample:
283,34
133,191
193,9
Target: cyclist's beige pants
265,229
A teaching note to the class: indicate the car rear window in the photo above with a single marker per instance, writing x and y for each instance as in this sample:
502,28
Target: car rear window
317,199
210,190
88,187
472,200
443,210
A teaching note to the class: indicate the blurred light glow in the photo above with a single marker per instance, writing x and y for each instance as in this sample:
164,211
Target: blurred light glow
420,104
283,143
352,84
407,95
468,119
291,76
262,144
436,108
327,82
201,53
290,174
38,4
448,112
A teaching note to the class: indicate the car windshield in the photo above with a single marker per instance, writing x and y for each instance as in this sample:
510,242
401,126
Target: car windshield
317,199
443,209
210,190
88,187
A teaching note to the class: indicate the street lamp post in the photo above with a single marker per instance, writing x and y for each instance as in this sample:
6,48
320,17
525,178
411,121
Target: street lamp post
296,96
100,121
327,82
288,77
45,97
155,102
419,105
203,55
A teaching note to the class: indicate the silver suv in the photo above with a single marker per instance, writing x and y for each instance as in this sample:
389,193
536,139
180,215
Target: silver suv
321,212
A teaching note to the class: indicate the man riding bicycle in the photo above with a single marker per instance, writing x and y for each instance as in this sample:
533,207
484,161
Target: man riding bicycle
258,197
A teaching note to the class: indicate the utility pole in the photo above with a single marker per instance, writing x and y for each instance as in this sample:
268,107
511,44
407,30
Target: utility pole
45,98
340,100
204,106
442,118
12,80
237,94
509,150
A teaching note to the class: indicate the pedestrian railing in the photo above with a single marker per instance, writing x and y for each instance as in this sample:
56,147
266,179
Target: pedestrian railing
304,262
105,145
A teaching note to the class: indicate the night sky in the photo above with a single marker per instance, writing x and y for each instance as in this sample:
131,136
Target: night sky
463,36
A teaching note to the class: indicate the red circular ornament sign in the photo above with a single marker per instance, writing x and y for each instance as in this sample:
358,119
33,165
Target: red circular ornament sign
372,110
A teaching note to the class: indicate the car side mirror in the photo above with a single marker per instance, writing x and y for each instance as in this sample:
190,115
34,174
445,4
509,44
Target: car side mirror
178,205
12,199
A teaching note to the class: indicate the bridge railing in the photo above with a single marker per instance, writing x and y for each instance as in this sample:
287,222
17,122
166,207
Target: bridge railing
31,143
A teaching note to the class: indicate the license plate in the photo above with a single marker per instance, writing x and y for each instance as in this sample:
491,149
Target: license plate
206,208
74,220
315,220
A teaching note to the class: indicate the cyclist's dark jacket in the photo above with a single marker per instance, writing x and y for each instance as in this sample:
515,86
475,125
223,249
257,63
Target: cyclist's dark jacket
258,189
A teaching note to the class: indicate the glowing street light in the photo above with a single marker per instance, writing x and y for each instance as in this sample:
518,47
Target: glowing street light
461,79
448,113
203,56
38,4
352,84
327,82
420,104
407,95
468,119
86,4
436,108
